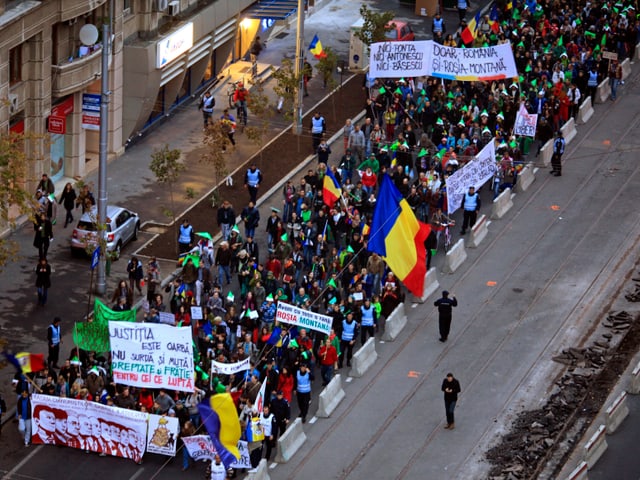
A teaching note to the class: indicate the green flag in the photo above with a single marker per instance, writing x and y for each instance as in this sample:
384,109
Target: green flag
560,41
422,153
94,336
589,34
603,42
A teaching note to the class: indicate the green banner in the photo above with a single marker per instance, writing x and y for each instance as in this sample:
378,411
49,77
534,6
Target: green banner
94,335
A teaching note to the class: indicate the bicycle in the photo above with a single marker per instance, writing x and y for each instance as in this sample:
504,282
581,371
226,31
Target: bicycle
447,235
231,91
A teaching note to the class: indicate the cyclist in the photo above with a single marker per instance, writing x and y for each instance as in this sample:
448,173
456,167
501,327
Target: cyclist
240,98
440,222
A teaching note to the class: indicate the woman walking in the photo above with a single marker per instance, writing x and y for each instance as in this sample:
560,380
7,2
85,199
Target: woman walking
68,199
43,280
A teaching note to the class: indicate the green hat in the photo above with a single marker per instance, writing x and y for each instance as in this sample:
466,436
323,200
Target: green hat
331,283
382,90
398,91
333,300
527,69
205,235
230,296
349,249
270,298
450,94
464,108
484,113
449,105
439,122
422,153
284,237
501,115
461,121
293,343
486,129
423,92
220,388
402,80
235,229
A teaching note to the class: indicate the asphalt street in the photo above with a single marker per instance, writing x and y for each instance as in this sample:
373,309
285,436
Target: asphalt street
536,285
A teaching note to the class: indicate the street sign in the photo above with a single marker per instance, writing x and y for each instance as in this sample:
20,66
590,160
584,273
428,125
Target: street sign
95,258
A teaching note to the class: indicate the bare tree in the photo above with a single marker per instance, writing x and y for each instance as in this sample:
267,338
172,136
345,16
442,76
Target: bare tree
166,166
259,105
216,141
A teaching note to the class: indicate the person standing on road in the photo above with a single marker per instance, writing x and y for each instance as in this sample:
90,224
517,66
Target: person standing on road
251,218
318,128
303,390
226,219
185,241
281,410
136,274
556,159
54,339
462,9
471,206
43,280
451,389
206,105
445,306
252,181
347,338
615,77
68,198
43,236
23,409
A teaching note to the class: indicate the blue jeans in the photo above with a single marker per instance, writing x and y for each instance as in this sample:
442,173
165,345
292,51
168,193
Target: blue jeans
449,407
613,83
42,295
226,230
226,271
185,458
327,373
249,232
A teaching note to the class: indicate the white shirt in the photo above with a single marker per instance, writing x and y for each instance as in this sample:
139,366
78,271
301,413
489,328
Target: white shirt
218,472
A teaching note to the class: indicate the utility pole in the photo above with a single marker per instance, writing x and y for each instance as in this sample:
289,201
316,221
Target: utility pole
101,282
297,114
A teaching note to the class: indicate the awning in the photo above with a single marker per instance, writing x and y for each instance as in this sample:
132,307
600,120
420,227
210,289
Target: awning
274,9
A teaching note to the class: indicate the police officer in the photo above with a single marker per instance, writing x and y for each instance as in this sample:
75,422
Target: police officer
471,207
556,159
445,306
206,105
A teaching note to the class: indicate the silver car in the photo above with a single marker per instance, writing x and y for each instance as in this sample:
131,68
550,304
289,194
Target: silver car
122,227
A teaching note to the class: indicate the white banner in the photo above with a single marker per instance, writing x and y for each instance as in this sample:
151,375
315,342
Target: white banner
398,59
200,447
526,123
230,368
88,426
476,173
303,318
152,355
162,435
414,59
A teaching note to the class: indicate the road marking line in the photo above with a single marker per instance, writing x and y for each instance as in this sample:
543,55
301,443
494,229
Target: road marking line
22,463
313,420
137,474
273,465
415,305
349,379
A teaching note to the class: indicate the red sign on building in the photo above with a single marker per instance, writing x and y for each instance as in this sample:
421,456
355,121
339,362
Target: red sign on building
57,125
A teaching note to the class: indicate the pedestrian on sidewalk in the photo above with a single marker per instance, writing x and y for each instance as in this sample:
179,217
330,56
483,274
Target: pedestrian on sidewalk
252,181
451,389
251,218
556,159
206,105
185,242
43,235
68,198
228,122
307,74
136,273
43,280
226,219
471,206
256,48
445,307
54,339
318,128
23,408
462,9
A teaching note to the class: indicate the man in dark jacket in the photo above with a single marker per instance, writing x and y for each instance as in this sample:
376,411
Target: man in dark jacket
451,389
445,306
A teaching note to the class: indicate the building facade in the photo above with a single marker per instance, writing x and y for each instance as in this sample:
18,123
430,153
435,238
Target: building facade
162,52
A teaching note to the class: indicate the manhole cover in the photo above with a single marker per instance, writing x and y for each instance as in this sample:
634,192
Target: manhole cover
282,35
343,40
517,290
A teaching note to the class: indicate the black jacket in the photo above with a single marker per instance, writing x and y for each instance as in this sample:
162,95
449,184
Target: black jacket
445,305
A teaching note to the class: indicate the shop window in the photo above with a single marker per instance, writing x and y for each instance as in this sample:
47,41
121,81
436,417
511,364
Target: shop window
15,65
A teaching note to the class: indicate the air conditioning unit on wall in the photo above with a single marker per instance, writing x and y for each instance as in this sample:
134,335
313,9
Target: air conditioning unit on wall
161,5
174,8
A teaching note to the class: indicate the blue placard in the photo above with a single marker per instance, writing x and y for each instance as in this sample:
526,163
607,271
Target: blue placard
91,102
95,258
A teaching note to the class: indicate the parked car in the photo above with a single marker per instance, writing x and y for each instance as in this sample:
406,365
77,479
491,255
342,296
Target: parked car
401,32
122,227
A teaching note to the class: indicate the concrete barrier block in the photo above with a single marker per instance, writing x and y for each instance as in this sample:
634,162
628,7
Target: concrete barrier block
634,381
595,447
546,152
261,473
585,112
363,358
290,441
330,397
478,232
395,323
580,472
525,178
502,204
455,257
617,412
603,92
431,284
637,52
569,131
626,68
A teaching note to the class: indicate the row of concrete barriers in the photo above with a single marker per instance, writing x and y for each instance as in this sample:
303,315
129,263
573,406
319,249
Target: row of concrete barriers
614,414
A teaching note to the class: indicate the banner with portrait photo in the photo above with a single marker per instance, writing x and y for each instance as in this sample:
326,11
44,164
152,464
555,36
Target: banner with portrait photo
152,355
89,426
162,435
477,172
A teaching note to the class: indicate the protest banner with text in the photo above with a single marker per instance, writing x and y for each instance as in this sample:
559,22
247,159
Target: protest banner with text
471,64
152,355
88,426
398,59
303,318
162,435
200,447
525,123
476,173
230,368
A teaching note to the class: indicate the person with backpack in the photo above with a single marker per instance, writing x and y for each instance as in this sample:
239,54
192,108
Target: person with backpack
556,159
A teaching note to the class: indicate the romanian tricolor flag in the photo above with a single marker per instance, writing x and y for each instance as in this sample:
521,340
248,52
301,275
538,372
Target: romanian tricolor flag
26,362
315,47
330,189
468,35
399,237
220,418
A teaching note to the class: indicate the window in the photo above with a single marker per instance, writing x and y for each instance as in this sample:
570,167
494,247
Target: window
15,65
127,9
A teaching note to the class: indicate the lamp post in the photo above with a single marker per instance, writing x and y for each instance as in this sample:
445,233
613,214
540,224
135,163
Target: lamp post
101,281
297,113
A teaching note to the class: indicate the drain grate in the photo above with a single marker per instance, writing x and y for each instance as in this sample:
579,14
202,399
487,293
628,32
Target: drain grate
281,35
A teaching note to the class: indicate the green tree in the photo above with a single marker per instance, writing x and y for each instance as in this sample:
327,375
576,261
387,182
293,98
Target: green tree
166,166
15,200
259,105
375,26
216,140
287,85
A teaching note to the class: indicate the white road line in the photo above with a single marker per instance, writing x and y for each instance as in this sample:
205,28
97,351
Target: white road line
137,474
273,465
415,305
22,463
349,379
313,420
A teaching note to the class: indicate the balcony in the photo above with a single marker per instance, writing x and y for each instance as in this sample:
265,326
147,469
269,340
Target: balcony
70,9
76,74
